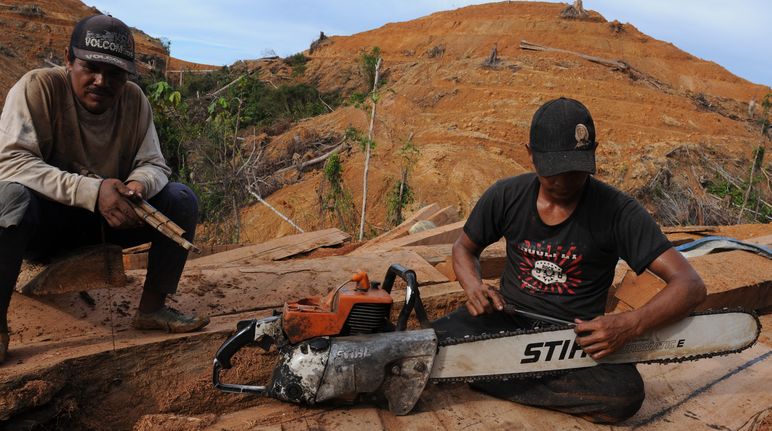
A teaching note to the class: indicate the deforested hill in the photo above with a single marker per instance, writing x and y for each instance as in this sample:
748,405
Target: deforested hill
672,128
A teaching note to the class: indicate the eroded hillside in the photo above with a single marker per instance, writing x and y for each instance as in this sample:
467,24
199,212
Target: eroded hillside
667,124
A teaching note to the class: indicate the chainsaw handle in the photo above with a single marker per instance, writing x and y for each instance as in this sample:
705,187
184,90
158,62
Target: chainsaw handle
222,359
412,296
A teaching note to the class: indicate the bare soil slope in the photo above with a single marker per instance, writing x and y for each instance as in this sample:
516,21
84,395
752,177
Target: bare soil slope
671,114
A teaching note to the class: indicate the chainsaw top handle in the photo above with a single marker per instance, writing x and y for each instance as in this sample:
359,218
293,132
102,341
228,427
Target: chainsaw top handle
412,296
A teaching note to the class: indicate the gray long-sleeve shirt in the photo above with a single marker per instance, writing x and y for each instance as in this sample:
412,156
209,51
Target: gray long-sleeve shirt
48,141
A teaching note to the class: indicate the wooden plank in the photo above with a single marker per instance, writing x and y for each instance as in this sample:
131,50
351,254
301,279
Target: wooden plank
733,278
433,254
95,267
441,235
276,249
135,261
375,264
447,215
689,229
404,227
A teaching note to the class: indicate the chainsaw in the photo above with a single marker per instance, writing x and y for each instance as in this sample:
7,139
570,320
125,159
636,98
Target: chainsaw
343,345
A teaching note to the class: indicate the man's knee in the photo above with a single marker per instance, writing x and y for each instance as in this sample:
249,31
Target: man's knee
14,202
178,202
621,401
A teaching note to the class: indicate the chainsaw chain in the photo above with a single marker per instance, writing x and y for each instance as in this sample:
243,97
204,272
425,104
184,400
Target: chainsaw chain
538,374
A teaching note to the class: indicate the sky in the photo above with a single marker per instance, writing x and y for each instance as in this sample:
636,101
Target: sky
735,34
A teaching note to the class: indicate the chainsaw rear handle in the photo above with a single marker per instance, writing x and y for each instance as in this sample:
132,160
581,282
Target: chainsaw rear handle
412,296
222,359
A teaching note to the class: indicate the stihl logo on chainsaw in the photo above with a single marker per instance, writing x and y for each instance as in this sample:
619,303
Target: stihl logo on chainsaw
569,349
533,351
353,354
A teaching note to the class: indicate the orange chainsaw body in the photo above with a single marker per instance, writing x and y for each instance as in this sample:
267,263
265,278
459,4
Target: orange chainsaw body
337,312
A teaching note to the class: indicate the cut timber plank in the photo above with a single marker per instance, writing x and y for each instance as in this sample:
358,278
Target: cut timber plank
276,249
689,229
375,264
442,235
492,260
87,268
404,227
135,261
447,215
733,278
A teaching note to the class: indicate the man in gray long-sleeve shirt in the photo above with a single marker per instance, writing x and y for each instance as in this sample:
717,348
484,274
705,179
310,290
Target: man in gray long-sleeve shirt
61,131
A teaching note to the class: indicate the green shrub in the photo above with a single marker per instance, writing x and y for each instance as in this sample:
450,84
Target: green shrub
30,10
367,62
298,63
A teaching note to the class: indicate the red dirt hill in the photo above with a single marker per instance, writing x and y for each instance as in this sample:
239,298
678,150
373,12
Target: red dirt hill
670,119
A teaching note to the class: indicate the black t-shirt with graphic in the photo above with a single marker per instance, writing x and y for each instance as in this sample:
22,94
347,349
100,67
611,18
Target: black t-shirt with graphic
565,270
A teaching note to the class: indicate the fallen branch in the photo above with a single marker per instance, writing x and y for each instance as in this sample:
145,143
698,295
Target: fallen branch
264,202
313,161
325,104
619,65
216,92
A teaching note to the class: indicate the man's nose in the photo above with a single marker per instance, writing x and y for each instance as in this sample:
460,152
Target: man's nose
100,80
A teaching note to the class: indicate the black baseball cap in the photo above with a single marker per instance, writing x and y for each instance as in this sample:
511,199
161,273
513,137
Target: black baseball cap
562,138
104,39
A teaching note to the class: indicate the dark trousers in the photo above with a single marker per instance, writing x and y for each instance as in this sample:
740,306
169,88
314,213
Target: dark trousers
36,228
606,393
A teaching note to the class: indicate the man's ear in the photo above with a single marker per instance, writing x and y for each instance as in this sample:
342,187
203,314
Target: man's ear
528,148
67,63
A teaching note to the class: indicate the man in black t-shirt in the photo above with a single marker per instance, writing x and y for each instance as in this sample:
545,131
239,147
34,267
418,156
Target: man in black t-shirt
565,232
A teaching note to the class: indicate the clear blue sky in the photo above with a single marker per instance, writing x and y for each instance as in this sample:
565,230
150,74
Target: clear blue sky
736,34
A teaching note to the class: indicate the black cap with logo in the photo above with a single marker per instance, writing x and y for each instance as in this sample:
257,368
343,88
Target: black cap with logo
562,138
104,39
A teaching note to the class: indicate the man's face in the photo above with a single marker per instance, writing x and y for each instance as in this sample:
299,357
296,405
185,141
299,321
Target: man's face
96,85
565,186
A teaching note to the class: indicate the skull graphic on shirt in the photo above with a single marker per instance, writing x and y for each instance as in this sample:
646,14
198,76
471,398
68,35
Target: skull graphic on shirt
548,272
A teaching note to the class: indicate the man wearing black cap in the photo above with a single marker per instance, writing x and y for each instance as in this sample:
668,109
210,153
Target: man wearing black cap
77,143
565,231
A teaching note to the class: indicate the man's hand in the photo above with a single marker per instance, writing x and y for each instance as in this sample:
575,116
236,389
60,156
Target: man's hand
482,298
682,293
113,203
603,335
136,190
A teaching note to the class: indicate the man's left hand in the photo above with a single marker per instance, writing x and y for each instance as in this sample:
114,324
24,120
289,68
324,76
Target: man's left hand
603,335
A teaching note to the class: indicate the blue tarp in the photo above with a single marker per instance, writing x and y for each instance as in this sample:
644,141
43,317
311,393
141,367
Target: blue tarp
711,244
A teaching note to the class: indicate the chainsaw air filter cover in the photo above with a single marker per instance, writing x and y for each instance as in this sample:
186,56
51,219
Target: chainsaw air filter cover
353,308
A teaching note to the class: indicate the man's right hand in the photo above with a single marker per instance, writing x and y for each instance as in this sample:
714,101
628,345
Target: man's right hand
114,205
482,298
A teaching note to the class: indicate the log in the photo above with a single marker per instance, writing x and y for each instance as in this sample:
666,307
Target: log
94,267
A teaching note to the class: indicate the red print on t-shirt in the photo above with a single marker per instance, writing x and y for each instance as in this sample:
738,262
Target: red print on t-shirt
548,268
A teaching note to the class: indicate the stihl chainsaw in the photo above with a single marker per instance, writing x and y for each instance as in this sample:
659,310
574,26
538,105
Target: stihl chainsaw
343,345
